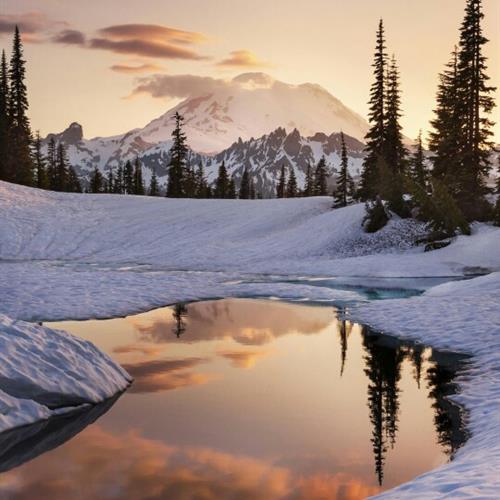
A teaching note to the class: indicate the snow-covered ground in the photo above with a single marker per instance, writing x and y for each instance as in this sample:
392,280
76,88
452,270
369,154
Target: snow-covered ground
79,256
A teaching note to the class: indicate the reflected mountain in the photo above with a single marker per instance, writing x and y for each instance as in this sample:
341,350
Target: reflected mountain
26,443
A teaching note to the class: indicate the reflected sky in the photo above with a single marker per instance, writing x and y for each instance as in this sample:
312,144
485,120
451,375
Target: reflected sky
254,399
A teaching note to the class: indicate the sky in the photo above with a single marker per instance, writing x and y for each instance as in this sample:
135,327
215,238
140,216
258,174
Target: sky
86,58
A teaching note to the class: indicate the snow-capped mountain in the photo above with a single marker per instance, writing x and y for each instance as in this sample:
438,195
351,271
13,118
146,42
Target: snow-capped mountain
251,105
252,121
263,157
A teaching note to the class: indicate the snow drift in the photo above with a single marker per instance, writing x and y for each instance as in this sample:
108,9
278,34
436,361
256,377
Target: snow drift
44,372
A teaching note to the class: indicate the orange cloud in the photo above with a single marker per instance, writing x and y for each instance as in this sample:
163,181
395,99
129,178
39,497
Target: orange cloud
243,359
166,375
142,68
152,32
243,59
145,349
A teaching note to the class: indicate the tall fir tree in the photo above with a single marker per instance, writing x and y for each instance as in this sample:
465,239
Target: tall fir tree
419,172
178,157
394,151
189,182
244,192
154,188
138,182
375,137
291,186
477,103
447,135
110,181
39,163
19,159
4,118
344,189
309,182
321,178
221,183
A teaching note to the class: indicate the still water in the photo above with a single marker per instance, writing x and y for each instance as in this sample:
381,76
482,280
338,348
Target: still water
244,399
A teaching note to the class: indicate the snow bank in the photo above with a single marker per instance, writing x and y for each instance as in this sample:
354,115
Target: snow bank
44,371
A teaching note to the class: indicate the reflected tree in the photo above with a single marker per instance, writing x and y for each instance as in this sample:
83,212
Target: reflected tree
344,330
383,369
415,354
447,418
179,313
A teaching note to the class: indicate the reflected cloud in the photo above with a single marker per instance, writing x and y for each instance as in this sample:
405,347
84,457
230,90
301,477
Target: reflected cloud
247,322
243,359
166,375
100,464
146,349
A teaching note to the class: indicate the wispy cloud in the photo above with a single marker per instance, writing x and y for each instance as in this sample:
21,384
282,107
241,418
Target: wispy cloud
141,68
243,59
243,359
152,32
69,37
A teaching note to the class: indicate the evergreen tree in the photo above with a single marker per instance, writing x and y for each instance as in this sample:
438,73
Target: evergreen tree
4,118
418,169
96,181
394,150
309,183
118,187
244,193
497,206
477,103
291,187
138,182
74,185
39,163
221,183
375,137
281,187
202,188
252,193
154,188
344,189
189,182
177,165
52,164
19,159
110,181
447,136
62,166
128,179
231,189
320,178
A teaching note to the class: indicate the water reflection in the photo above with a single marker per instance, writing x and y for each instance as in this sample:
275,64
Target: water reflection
253,399
27,442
